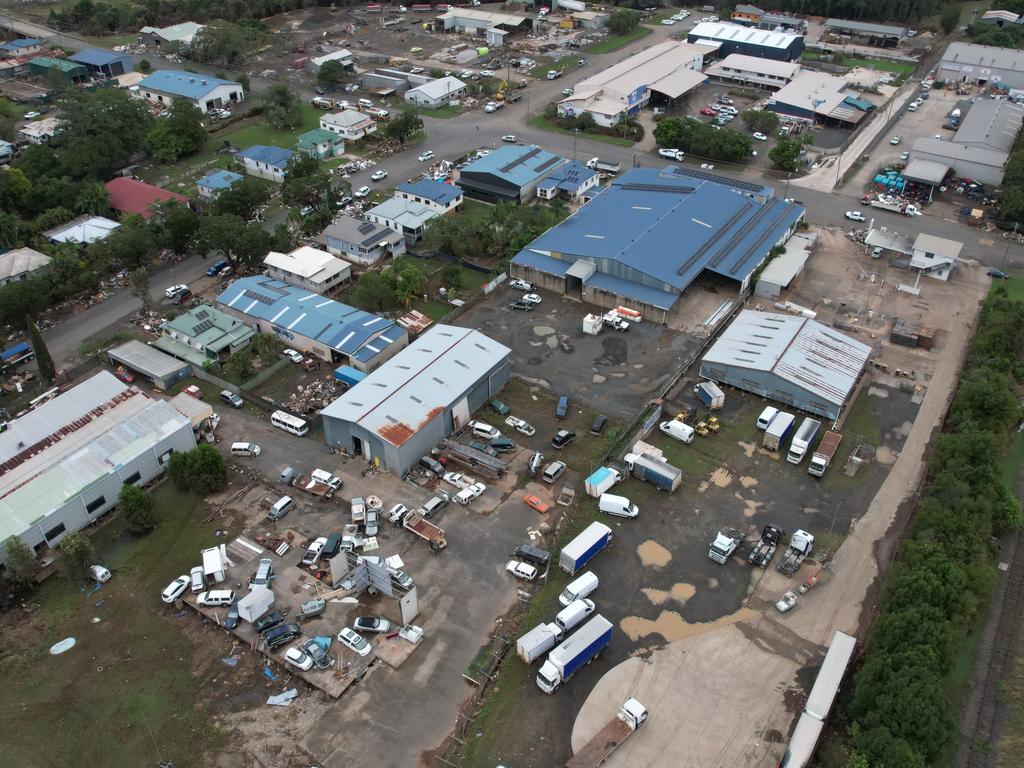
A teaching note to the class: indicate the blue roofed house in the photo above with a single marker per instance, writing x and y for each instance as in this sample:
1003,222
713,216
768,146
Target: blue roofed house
330,330
206,92
436,195
108,64
509,173
265,162
572,180
212,184
646,238
24,46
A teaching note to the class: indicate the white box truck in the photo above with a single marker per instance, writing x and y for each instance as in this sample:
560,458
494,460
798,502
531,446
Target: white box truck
778,430
803,440
538,641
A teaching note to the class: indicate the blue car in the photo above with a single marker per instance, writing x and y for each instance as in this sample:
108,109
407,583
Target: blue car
215,268
562,409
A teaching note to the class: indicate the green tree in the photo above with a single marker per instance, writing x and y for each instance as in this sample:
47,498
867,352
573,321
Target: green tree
950,18
21,561
140,287
77,553
227,43
178,135
22,299
281,107
44,362
763,120
15,189
137,507
93,199
237,240
144,66
406,280
305,183
101,131
786,153
9,236
180,227
622,20
453,278
243,199
264,346
373,293
404,126
201,470
240,366
331,73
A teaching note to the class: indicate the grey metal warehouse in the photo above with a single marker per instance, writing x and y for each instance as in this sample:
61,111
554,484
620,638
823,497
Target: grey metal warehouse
792,360
402,410
160,368
63,464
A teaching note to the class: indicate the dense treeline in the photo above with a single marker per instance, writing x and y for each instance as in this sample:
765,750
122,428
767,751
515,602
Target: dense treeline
703,139
858,10
900,714
1011,207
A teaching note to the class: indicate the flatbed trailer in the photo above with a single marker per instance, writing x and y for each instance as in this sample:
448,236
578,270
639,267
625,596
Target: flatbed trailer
426,530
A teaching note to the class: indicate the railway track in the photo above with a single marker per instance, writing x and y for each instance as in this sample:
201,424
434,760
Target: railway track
983,725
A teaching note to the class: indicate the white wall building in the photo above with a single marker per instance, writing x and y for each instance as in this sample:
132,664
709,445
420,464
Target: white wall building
935,256
349,123
21,264
753,71
206,92
309,268
436,93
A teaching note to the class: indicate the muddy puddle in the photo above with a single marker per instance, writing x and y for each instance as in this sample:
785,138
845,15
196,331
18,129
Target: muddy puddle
679,592
653,555
671,626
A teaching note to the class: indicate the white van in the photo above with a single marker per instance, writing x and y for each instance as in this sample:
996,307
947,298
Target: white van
365,103
619,506
100,574
765,419
245,449
216,597
280,508
578,589
677,429
574,613
553,471
484,430
325,477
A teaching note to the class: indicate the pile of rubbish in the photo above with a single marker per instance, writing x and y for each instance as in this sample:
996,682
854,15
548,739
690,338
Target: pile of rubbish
313,397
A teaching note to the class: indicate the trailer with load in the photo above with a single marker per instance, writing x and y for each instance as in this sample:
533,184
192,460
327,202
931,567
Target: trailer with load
569,657
824,453
710,394
601,481
537,642
426,530
660,474
631,715
581,550
895,205
725,545
778,430
313,485
803,440
764,550
800,547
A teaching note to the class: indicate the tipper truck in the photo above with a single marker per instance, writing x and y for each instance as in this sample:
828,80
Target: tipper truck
580,649
710,394
764,550
803,440
631,715
582,549
823,454
660,474
537,642
800,546
601,481
608,166
778,430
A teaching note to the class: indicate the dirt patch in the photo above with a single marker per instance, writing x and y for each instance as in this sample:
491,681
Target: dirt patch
748,482
748,448
722,477
679,592
671,626
653,555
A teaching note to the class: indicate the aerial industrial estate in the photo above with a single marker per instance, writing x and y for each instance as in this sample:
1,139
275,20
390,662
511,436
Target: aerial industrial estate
477,384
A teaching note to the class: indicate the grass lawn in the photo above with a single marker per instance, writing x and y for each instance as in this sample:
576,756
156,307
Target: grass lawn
474,210
896,67
131,671
539,121
1010,750
545,63
94,345
443,113
1014,286
610,44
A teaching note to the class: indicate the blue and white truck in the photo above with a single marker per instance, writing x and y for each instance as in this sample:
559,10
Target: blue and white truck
348,375
579,650
710,394
658,473
578,552
602,481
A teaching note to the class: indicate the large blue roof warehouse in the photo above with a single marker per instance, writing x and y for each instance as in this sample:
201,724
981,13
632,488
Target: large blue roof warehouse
311,323
646,238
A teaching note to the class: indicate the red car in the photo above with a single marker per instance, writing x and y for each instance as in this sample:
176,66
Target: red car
707,111
125,375
194,391
537,504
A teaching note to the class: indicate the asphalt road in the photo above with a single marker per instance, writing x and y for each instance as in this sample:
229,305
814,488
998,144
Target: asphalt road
453,138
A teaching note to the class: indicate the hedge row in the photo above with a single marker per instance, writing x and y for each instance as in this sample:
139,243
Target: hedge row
900,715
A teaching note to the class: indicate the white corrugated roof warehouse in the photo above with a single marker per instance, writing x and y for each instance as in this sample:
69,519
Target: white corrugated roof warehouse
792,360
62,465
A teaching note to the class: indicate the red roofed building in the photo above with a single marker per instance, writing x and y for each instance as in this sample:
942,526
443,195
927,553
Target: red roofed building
132,196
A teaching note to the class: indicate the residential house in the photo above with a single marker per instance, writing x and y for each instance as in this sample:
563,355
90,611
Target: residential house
265,162
7,151
108,64
25,46
348,124
206,92
212,184
321,144
309,268
82,231
40,131
402,215
436,195
436,93
936,257
21,264
362,242
133,196
203,333
572,180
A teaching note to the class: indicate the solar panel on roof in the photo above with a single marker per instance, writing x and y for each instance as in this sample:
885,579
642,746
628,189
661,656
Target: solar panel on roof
250,294
203,326
656,188
202,314
365,227
534,151
548,163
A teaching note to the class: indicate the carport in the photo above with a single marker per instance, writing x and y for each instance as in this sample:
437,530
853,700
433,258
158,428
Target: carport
673,87
927,172
161,369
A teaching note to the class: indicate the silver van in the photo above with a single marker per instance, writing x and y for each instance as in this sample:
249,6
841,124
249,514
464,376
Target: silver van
574,613
553,471
264,572
245,449
281,508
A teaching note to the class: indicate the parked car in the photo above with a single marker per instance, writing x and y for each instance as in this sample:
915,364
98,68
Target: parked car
315,651
175,589
466,495
401,578
458,479
484,430
232,620
372,625
895,140
231,398
523,427
362,192
562,438
532,298
760,136
499,407
522,306
855,216
282,635
267,621
562,408
536,503
354,642
424,156
313,551
482,447
707,111
502,445
786,603
521,285
435,503
521,570
672,154
379,175
292,355
372,522
295,657
174,290
597,427
997,273
432,465
509,137
904,156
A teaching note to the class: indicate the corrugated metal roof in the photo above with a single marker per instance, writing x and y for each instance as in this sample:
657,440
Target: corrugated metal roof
863,26
271,155
948,150
435,191
439,88
812,356
737,33
646,67
21,261
339,326
52,453
185,84
755,64
220,180
516,165
94,57
926,171
992,124
421,381
972,54
146,360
